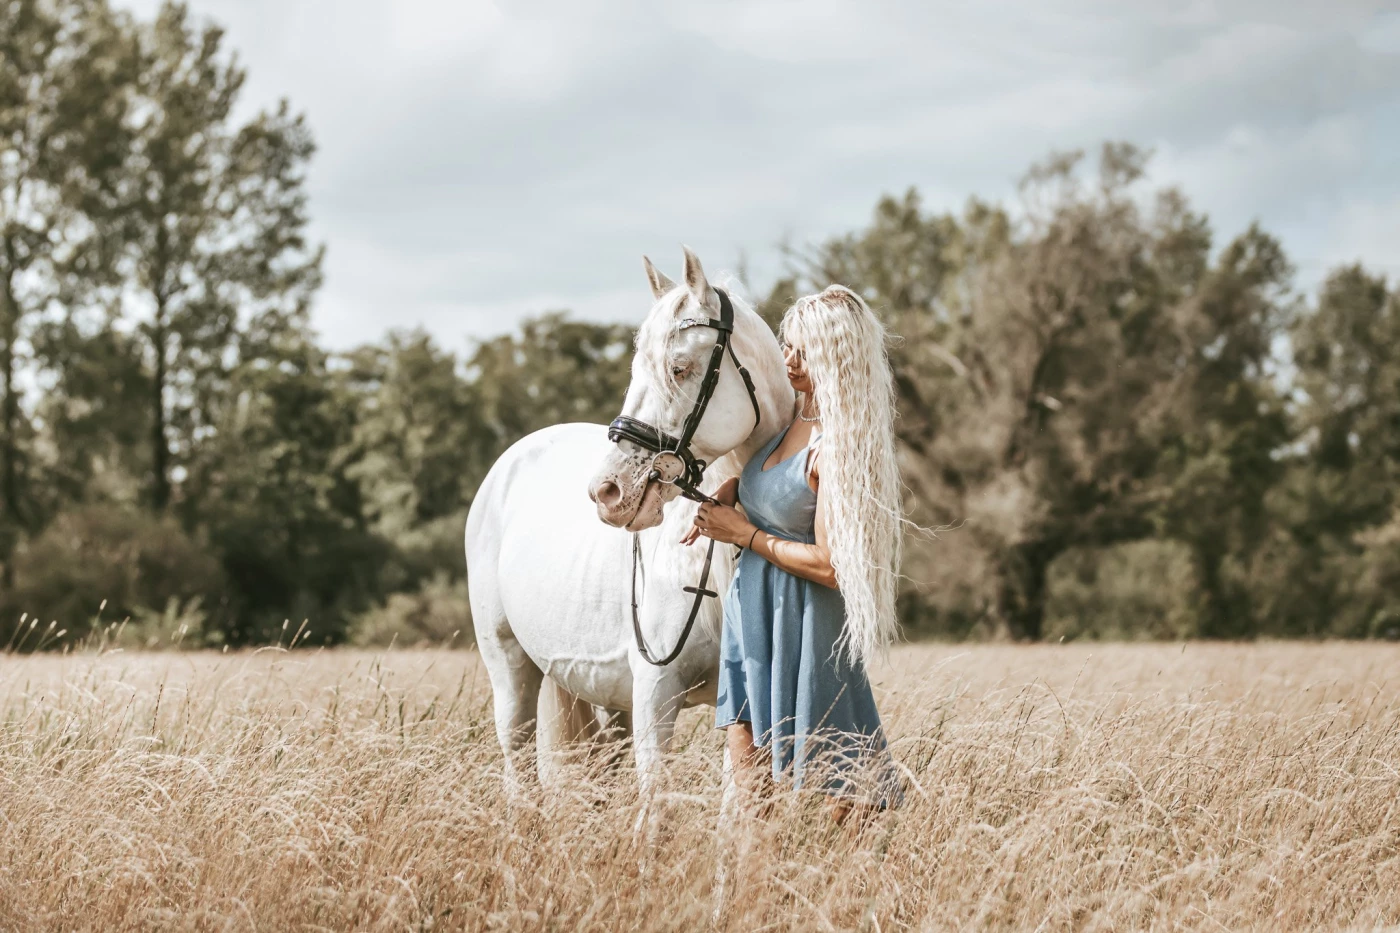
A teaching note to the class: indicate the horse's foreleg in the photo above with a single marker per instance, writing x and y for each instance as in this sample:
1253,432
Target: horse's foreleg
657,697
730,834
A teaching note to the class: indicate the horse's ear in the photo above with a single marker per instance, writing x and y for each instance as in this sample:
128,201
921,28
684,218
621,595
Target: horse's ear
660,285
695,280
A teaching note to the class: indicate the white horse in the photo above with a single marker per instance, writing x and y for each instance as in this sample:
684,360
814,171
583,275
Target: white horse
551,585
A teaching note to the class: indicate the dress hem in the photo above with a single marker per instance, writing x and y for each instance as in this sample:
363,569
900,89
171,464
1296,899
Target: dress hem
734,722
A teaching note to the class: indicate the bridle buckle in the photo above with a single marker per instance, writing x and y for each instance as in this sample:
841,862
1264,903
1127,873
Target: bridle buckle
667,467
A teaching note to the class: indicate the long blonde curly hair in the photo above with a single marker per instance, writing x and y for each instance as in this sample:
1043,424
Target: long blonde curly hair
844,347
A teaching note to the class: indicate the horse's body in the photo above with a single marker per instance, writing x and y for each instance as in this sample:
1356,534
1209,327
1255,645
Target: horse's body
551,597
551,584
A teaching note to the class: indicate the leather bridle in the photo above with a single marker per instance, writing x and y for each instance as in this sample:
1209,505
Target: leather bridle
674,463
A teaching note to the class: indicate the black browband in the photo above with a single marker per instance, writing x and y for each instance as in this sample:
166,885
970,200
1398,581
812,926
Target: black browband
649,437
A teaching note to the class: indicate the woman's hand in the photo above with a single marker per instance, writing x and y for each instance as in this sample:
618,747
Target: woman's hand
728,494
723,523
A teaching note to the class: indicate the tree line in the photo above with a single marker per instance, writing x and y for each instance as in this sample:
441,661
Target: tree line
1125,428
1116,426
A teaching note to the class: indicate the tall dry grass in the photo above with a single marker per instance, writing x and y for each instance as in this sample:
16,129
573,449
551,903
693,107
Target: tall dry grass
1070,787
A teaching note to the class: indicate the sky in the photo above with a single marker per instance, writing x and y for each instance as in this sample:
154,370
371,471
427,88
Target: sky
481,162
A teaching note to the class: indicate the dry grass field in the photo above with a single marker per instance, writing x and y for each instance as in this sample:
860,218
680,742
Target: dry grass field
1103,787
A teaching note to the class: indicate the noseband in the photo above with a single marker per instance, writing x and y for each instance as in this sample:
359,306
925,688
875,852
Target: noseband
674,463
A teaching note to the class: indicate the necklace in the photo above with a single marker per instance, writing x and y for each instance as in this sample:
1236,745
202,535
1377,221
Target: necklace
816,417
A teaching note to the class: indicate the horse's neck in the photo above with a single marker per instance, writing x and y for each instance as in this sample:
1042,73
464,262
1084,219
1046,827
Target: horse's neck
756,441
776,406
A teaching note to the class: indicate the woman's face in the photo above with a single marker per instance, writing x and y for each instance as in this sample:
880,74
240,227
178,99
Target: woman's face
796,359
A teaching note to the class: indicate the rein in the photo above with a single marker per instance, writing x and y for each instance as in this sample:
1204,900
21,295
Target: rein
674,463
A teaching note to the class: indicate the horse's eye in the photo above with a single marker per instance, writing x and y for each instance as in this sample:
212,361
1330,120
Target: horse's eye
679,372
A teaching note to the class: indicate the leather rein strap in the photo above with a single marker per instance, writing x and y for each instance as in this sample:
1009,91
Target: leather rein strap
700,593
651,438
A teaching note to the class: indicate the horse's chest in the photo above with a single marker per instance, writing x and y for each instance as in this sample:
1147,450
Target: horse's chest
565,584
567,608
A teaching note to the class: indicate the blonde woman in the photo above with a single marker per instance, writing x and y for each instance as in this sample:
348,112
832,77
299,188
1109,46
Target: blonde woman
812,599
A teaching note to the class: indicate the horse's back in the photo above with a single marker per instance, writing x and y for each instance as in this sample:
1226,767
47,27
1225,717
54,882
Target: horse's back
534,459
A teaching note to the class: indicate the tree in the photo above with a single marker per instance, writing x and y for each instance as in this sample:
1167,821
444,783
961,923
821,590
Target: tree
556,370
1349,376
1049,360
1221,467
1334,558
418,423
276,499
213,221
94,411
63,66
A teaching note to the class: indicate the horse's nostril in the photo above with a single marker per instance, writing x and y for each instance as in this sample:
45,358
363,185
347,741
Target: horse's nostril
608,494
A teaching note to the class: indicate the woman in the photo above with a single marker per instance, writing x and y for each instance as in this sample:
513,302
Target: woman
812,599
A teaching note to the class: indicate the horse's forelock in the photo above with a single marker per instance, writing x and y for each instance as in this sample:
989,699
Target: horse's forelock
654,339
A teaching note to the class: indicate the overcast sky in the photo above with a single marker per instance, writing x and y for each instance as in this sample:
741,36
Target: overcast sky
482,162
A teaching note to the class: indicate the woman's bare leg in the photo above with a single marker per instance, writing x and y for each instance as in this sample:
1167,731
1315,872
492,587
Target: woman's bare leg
745,781
743,754
749,761
852,816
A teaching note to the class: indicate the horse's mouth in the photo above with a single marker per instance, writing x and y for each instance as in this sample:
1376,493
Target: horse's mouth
649,508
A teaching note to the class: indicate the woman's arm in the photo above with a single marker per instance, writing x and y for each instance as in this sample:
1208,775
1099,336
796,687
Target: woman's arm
808,561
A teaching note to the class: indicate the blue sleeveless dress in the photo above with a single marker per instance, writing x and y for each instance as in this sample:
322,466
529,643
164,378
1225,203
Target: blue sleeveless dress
779,669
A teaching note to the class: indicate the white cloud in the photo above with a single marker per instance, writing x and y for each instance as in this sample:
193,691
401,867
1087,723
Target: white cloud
1252,168
1382,34
832,32
1364,230
425,30
480,161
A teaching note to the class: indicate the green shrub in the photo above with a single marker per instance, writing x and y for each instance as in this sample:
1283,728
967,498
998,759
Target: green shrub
436,614
1143,590
101,561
